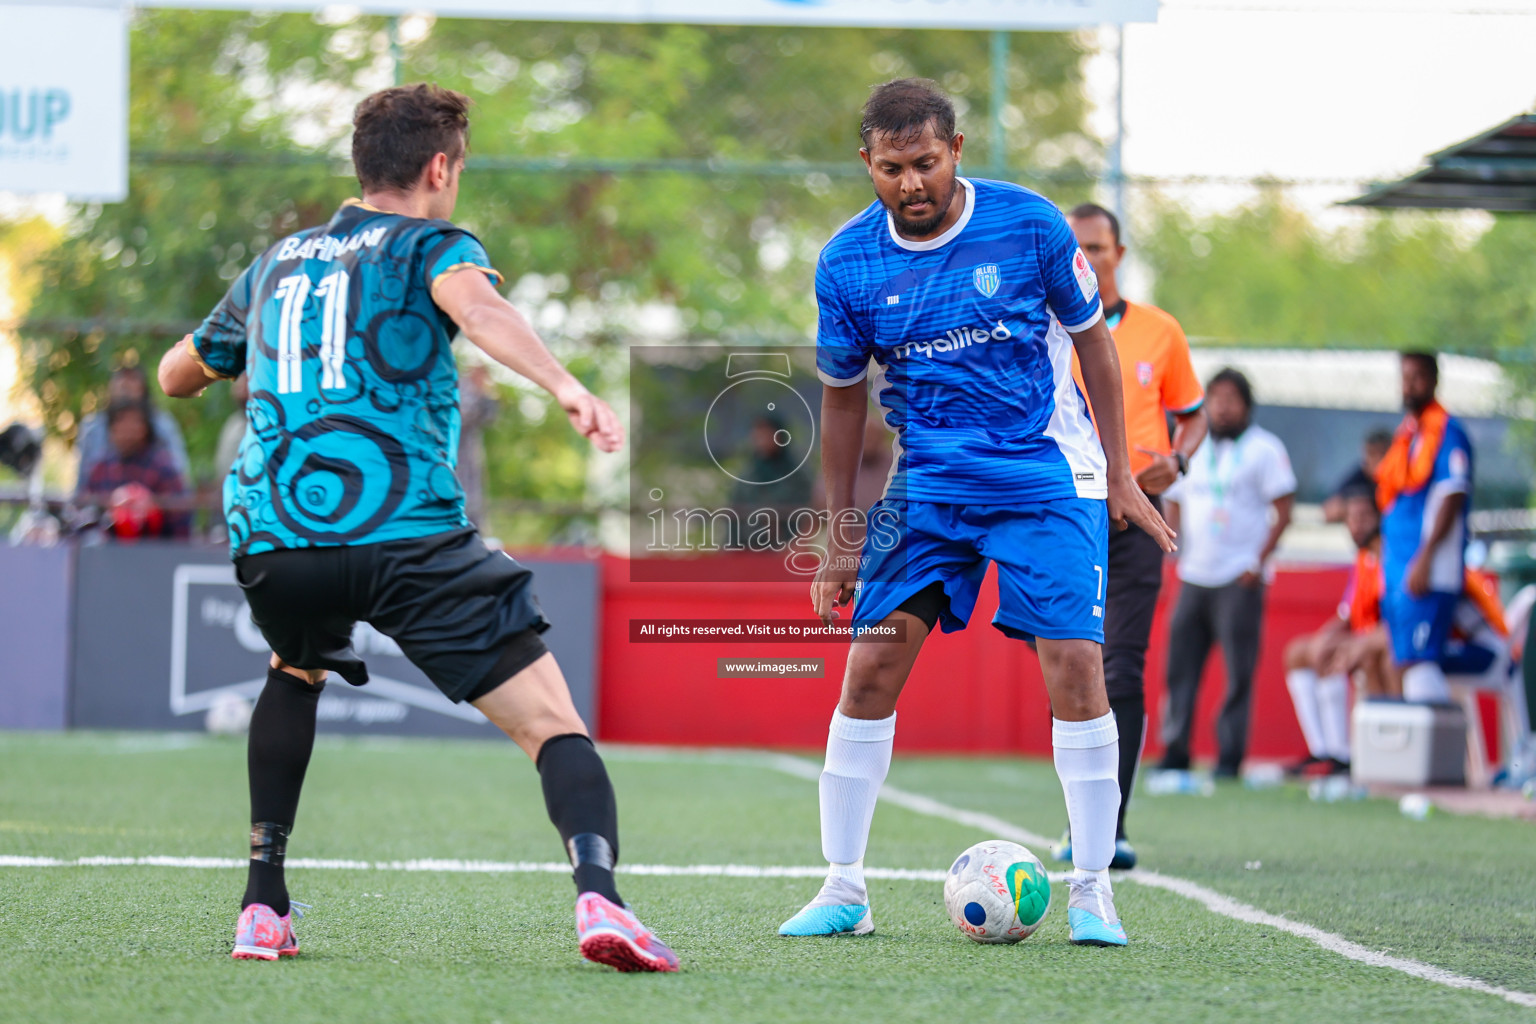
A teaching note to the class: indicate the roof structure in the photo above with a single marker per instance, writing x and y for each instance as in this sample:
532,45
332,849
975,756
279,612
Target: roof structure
1363,380
1492,171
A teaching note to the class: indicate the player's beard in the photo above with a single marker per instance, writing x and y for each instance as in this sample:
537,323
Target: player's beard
1229,431
919,228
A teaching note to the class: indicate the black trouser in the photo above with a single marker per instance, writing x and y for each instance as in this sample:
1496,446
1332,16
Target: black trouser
1231,616
1135,577
1130,600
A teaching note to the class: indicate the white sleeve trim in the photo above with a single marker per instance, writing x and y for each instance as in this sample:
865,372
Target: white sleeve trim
1098,314
838,382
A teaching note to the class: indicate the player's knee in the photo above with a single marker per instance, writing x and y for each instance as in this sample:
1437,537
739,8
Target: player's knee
873,681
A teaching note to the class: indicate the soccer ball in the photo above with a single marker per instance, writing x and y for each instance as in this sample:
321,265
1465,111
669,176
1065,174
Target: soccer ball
997,891
229,715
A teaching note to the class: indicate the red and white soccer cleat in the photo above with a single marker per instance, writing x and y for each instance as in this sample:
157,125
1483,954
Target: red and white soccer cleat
262,935
611,935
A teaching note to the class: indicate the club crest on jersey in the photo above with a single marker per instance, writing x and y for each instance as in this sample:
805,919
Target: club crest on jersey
987,279
1144,374
1087,283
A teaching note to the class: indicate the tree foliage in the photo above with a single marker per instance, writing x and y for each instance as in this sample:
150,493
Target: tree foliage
1266,273
259,97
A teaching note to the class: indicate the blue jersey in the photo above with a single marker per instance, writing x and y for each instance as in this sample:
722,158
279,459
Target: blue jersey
1411,518
969,331
354,407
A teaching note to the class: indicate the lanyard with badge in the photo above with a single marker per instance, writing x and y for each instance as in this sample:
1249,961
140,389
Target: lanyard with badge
1221,483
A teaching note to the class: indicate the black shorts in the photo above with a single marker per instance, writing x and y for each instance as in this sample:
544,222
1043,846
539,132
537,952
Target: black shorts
463,614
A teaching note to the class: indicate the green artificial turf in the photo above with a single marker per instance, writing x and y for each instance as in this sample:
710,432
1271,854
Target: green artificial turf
151,943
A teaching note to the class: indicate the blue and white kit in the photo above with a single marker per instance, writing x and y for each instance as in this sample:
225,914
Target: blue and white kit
1421,625
997,458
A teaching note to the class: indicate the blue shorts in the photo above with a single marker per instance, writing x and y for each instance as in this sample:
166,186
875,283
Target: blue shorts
1418,626
1467,658
1051,558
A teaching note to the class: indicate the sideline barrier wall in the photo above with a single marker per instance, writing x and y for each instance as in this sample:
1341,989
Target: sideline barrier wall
146,636
160,631
971,692
34,636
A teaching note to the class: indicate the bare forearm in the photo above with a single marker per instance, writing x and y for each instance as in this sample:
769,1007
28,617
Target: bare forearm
843,412
1189,432
1445,518
505,335
1101,375
1277,528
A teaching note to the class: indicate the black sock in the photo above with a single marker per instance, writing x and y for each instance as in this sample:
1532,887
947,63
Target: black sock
582,807
1131,720
277,755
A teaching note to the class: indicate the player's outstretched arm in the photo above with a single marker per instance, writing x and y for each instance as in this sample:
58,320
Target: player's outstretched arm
504,334
1101,375
843,411
181,375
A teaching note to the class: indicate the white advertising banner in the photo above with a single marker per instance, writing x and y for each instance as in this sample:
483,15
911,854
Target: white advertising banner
968,14
64,100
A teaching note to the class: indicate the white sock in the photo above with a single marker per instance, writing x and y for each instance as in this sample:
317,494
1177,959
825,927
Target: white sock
1102,877
1088,764
1424,683
1333,711
1302,683
858,758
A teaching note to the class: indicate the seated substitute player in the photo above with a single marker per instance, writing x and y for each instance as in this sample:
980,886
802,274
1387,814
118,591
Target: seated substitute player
1318,666
1356,644
342,504
959,290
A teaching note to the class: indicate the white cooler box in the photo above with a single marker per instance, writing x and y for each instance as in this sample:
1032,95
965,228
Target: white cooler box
1409,744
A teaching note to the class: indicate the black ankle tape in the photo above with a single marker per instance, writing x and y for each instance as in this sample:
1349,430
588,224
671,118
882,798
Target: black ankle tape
269,842
589,848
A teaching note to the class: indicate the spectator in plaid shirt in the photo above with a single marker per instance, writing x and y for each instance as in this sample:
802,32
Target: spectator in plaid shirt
135,475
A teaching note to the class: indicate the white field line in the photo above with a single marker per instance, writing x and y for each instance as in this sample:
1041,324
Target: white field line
475,867
1213,901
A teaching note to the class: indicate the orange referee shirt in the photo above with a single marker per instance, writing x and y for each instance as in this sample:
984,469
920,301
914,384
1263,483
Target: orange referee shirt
1156,377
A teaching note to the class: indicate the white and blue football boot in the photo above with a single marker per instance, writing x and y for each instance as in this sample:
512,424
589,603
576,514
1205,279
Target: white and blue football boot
1091,914
840,908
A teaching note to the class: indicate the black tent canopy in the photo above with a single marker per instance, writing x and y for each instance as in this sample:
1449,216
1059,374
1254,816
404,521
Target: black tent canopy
1495,170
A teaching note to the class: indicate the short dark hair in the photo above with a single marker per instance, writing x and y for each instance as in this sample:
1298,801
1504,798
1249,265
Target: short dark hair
1427,360
1379,438
904,107
1236,378
1360,492
1085,211
396,133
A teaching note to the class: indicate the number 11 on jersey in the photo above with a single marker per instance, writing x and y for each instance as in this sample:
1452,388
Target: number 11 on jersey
293,293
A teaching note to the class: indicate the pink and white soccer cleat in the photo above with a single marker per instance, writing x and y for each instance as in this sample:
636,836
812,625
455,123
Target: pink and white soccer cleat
262,935
611,935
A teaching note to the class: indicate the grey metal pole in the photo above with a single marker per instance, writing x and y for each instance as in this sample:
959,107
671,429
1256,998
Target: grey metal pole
998,158
396,52
1117,147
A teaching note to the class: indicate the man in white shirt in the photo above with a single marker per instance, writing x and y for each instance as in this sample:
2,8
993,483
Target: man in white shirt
1230,511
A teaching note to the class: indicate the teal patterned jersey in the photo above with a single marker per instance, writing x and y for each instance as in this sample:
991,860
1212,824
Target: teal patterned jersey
354,407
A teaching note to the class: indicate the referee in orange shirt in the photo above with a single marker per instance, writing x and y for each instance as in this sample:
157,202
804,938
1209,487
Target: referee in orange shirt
1157,380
